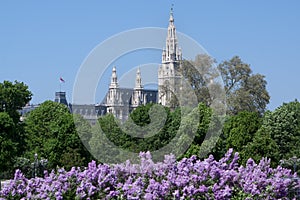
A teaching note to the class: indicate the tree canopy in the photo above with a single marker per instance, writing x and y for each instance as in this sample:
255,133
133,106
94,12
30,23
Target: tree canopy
283,126
278,137
200,73
240,129
55,134
244,91
13,96
8,144
51,132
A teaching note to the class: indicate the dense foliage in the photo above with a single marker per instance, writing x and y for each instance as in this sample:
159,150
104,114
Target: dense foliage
279,136
8,147
239,131
245,91
200,73
63,140
51,133
186,179
135,135
13,96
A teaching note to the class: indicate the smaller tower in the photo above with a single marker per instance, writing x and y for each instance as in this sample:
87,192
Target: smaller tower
60,97
137,96
114,79
138,79
113,98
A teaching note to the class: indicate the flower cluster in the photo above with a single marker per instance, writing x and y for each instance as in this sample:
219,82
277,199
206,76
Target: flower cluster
186,179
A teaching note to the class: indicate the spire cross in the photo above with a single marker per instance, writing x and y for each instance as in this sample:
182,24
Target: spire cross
171,20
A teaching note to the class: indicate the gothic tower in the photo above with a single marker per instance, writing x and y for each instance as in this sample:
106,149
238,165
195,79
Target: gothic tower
169,80
114,99
138,96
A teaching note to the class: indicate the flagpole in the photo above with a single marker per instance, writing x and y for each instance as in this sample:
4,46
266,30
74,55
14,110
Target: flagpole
61,80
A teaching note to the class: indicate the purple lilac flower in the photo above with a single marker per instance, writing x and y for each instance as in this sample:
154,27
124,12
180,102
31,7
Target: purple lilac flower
189,178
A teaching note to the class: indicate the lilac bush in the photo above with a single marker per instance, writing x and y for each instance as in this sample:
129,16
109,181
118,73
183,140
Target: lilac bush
186,179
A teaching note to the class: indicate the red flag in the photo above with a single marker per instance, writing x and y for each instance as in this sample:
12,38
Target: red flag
61,80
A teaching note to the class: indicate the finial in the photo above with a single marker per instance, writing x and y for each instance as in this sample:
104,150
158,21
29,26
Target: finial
171,13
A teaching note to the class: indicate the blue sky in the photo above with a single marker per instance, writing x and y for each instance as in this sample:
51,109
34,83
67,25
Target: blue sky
44,40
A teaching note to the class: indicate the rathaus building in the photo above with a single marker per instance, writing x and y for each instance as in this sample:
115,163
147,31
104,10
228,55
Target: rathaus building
121,101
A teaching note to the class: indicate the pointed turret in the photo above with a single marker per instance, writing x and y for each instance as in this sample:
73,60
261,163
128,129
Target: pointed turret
137,96
138,80
114,100
113,93
114,79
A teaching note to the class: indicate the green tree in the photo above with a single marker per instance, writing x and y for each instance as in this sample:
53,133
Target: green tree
244,91
200,75
51,132
279,136
262,146
147,120
13,96
208,130
83,129
239,130
102,148
8,146
149,128
155,127
283,125
112,129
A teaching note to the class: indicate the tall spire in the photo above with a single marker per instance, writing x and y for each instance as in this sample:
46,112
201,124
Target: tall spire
172,53
168,76
114,78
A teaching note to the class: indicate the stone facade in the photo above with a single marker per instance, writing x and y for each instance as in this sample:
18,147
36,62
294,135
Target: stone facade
121,101
169,80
